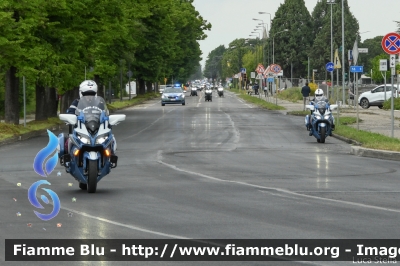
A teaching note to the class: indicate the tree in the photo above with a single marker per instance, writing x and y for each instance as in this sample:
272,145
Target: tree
198,74
293,46
213,67
51,43
320,54
18,46
376,73
374,46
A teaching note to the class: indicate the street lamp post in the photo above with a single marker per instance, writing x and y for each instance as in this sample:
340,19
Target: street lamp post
263,57
255,48
239,61
270,24
261,25
273,45
259,36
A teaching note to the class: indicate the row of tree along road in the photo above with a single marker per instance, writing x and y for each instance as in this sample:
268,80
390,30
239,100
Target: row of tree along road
57,44
306,45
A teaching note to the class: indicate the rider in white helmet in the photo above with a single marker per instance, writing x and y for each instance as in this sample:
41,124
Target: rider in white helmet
86,88
319,96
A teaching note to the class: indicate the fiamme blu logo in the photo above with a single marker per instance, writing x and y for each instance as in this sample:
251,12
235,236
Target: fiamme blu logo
44,164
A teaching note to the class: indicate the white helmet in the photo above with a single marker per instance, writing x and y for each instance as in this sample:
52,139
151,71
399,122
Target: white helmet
319,94
88,87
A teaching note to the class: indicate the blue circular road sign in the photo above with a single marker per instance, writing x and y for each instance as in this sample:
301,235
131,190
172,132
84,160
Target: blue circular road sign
330,67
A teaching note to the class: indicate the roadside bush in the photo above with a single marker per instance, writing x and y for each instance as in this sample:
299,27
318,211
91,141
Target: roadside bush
387,105
313,87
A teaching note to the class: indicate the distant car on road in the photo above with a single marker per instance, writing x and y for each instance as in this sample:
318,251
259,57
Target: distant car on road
173,95
376,96
163,87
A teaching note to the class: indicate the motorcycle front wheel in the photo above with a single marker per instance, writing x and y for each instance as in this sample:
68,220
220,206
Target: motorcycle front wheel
92,176
323,132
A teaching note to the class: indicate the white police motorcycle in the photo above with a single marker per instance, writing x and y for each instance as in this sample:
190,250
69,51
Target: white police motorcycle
89,156
321,121
220,91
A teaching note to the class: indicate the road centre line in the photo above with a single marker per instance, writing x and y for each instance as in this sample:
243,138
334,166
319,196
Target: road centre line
275,189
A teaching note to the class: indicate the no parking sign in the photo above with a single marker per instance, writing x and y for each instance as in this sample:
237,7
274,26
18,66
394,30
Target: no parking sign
391,43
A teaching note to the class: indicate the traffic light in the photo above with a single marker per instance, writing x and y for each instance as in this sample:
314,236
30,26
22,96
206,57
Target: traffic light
244,76
345,76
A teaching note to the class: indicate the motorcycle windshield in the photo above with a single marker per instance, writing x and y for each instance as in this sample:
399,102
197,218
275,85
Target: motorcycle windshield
91,107
321,106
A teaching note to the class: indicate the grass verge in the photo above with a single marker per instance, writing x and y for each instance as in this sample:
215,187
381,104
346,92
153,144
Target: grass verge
367,139
257,101
260,102
299,113
292,95
117,105
8,131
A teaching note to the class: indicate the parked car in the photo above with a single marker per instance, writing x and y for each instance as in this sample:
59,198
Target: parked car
376,96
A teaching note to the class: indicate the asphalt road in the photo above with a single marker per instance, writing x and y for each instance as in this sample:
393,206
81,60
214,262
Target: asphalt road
209,170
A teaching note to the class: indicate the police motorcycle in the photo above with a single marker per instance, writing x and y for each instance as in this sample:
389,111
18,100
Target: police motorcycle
220,91
322,120
208,94
91,146
193,91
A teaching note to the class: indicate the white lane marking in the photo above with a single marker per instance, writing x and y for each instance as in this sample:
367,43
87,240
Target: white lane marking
201,97
142,106
235,130
278,195
277,189
124,225
370,192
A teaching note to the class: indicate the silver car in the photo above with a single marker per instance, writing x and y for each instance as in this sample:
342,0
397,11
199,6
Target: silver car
173,96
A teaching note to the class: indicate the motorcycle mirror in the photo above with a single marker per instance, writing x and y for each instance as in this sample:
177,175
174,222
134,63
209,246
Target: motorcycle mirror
333,107
70,119
115,119
311,107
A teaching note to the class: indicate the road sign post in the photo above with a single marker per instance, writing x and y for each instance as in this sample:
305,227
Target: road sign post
391,45
329,67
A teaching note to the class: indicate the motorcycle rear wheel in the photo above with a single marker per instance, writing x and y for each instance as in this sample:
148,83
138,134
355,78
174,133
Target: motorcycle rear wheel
92,176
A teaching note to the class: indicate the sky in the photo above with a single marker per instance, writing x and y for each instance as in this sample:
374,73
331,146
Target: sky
232,19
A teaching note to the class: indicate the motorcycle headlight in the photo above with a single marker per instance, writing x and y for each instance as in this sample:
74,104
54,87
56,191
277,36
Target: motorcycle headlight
83,139
101,139
318,116
327,117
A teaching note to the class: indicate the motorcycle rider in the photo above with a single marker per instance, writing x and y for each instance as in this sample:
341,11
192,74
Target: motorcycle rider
86,88
319,96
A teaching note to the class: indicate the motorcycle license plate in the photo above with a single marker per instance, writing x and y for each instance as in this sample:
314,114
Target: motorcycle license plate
172,99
